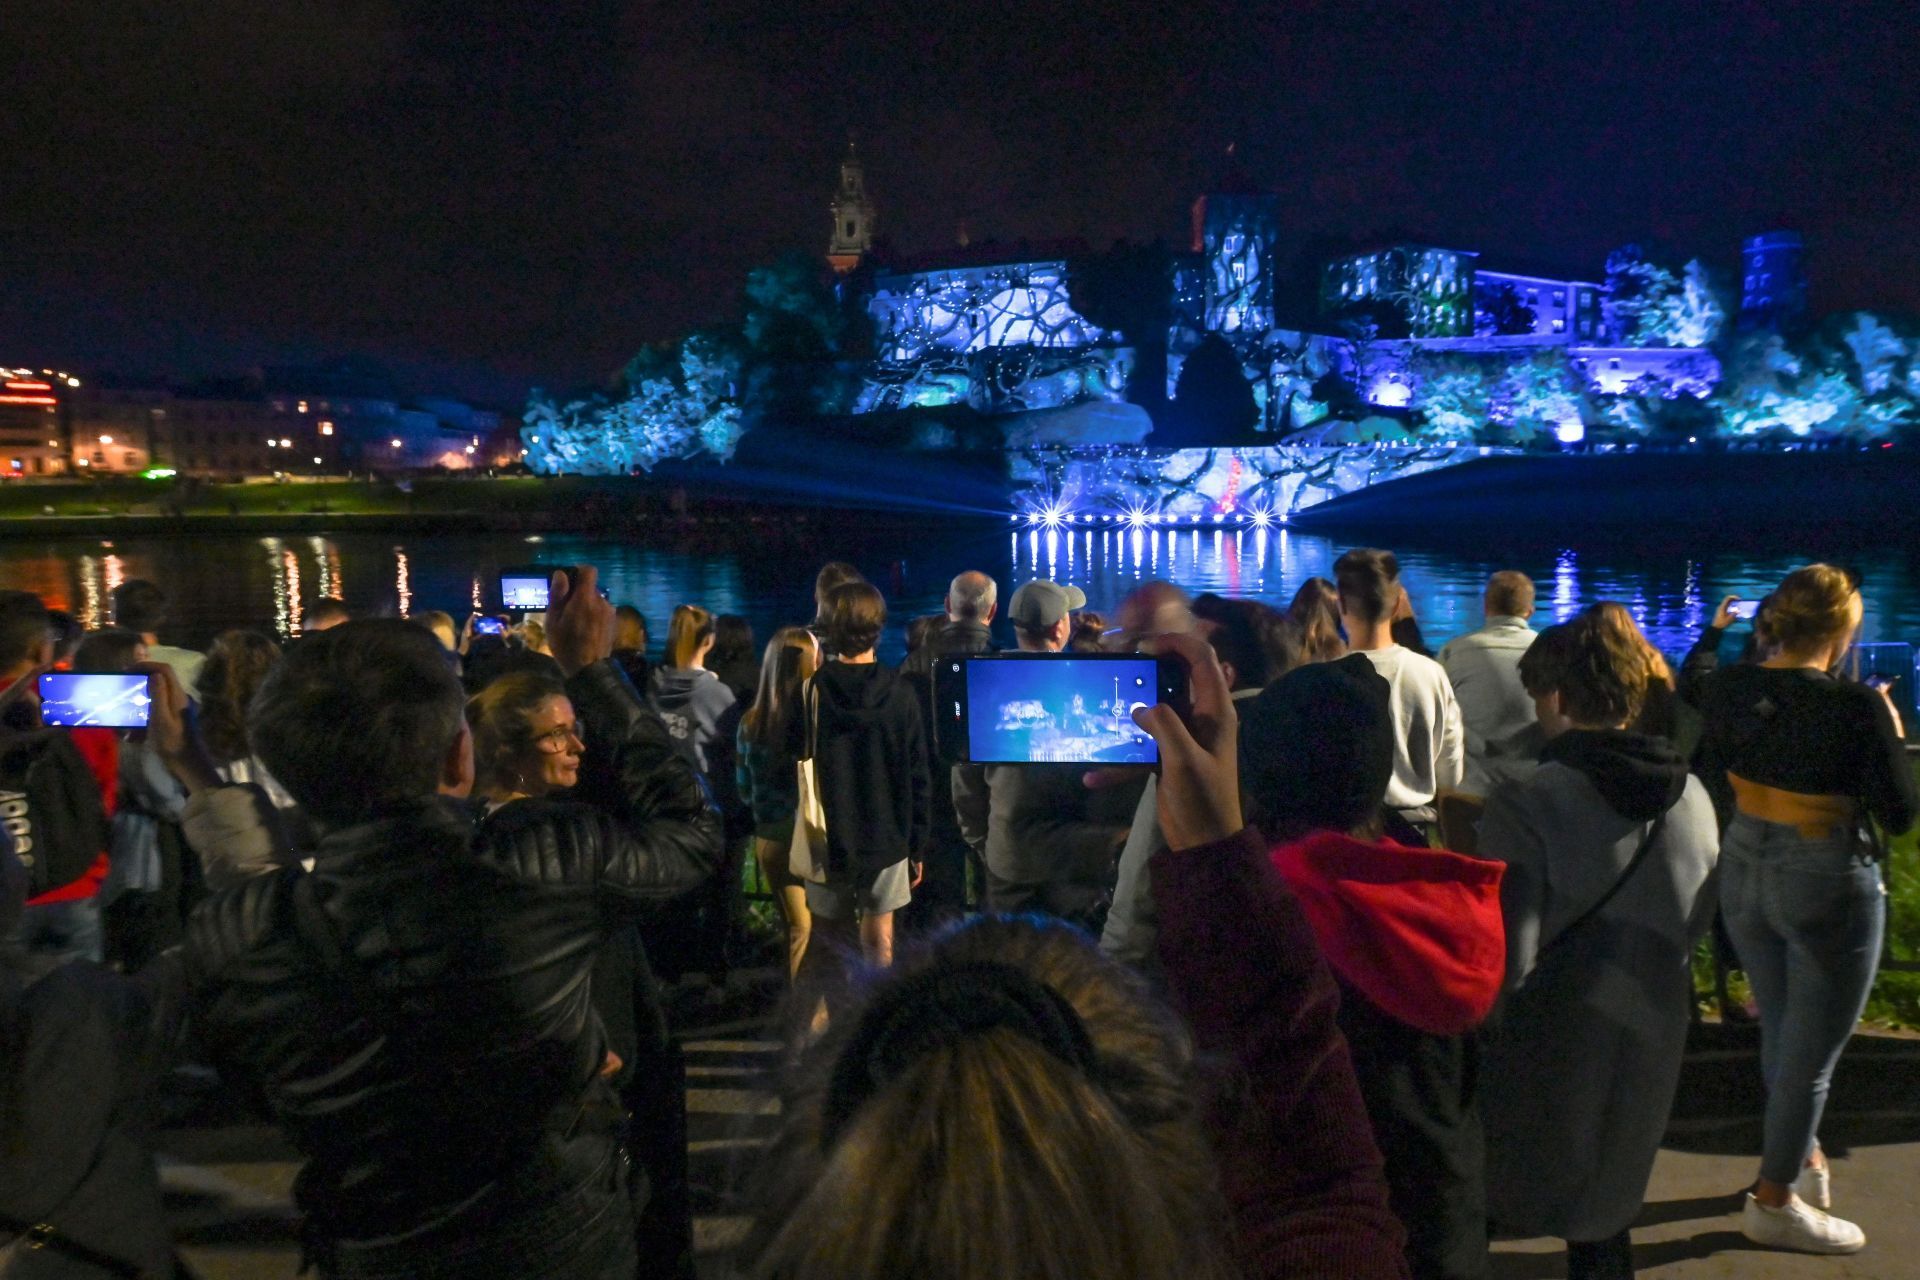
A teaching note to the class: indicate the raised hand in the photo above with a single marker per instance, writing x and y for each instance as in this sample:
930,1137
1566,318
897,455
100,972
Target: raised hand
579,622
1199,797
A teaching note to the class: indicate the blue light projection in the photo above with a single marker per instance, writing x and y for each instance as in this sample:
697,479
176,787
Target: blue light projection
1142,488
926,313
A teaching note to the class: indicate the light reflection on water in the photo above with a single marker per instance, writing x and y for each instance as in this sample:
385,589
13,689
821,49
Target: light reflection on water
220,582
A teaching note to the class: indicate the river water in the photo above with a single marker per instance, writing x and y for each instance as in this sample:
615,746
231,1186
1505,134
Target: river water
218,582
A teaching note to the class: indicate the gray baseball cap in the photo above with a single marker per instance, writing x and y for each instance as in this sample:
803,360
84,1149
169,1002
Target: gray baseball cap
1041,604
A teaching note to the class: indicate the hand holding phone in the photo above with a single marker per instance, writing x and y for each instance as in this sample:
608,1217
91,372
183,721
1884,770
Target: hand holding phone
1743,610
1199,793
1053,708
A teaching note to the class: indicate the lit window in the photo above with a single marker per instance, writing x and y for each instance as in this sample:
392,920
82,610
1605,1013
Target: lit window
106,439
1559,297
1239,272
303,406
326,428
1559,326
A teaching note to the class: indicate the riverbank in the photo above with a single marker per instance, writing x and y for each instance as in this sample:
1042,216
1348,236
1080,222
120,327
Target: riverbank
1722,494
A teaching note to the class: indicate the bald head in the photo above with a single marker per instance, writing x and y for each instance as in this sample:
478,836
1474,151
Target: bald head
972,597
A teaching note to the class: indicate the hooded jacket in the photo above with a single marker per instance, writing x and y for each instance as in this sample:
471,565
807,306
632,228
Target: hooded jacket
1415,931
870,760
1580,1078
691,703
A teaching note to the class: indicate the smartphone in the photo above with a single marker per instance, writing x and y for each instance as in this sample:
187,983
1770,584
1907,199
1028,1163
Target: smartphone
490,626
1052,708
1745,610
1879,683
73,699
525,590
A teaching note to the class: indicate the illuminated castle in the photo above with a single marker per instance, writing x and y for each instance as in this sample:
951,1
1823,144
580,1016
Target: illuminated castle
994,327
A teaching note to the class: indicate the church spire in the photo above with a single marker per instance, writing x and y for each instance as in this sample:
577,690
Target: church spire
853,216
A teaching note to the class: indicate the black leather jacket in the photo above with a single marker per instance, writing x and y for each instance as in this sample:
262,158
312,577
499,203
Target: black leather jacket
416,1013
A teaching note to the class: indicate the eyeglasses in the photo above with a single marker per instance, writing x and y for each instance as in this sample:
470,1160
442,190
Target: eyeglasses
554,741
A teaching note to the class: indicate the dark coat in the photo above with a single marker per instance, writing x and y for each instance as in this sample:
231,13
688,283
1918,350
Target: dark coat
442,1066
871,762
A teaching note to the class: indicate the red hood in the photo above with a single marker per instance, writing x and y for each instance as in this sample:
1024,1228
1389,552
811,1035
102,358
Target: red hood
1416,931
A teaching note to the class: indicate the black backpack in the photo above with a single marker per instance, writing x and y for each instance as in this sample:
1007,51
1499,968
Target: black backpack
51,808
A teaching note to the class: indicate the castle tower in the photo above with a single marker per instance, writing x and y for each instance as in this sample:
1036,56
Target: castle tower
852,216
1235,225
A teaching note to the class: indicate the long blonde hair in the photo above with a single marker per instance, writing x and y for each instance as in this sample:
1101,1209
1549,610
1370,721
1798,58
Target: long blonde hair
690,628
987,1156
791,657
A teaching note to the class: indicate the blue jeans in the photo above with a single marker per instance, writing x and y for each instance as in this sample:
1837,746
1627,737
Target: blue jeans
1807,917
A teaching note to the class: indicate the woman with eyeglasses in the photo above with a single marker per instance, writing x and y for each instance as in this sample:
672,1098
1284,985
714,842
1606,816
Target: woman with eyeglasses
1812,762
529,745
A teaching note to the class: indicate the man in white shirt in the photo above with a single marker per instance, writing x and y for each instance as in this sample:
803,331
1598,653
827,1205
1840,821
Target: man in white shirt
1429,753
141,607
1484,667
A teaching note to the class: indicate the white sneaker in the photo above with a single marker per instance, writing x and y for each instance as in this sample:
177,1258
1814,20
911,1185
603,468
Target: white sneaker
1815,1186
1799,1226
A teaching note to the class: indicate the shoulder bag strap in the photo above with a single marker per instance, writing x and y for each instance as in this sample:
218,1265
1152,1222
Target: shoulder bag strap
1633,865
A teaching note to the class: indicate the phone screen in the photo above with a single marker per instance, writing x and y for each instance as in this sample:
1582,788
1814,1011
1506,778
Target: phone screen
117,701
1745,610
523,591
1059,710
489,627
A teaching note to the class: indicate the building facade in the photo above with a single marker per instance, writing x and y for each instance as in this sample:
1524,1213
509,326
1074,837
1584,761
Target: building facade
1773,293
1561,307
35,440
1429,288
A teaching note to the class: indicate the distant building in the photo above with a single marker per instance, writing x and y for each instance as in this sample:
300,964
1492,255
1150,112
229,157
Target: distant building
1235,227
1430,288
34,437
853,216
1773,293
1561,306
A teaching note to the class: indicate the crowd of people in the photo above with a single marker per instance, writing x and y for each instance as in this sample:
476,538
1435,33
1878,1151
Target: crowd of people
1392,950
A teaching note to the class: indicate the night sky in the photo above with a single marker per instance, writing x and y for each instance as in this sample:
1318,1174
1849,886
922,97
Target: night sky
487,194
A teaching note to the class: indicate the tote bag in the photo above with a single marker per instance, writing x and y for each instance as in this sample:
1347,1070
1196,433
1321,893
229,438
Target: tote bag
807,856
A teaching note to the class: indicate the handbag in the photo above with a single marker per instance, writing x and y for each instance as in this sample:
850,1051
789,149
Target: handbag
807,855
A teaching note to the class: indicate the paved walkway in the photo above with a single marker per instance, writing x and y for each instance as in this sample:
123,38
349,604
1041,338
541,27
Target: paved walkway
228,1183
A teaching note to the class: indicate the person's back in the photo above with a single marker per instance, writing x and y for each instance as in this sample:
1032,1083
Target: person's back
1610,846
1048,842
1429,753
1413,936
416,1013
868,753
1484,668
1430,747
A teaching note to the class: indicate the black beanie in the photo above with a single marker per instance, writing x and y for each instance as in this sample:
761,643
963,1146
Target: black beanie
1316,747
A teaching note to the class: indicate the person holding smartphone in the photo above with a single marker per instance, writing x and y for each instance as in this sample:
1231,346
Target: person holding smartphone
1810,761
1043,837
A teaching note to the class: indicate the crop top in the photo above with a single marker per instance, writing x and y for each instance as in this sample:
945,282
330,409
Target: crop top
1803,731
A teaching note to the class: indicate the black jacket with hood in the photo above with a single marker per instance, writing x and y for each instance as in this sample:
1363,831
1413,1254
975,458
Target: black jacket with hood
871,763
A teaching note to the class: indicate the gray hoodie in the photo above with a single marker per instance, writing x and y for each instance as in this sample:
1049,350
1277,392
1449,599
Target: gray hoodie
691,703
